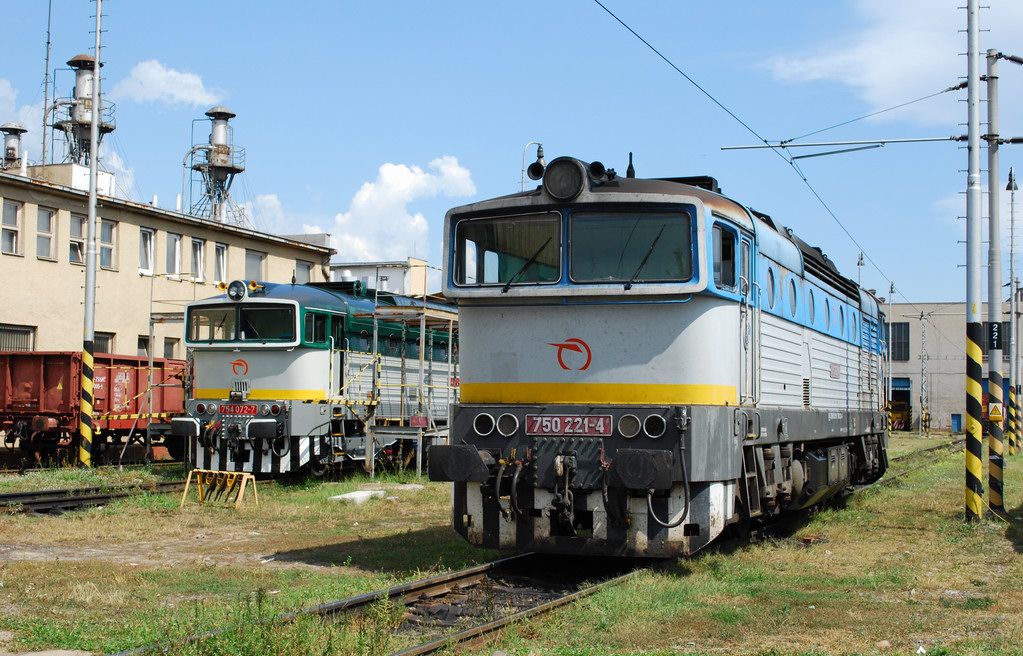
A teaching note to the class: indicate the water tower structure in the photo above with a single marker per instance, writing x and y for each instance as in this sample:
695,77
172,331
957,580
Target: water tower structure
79,112
216,163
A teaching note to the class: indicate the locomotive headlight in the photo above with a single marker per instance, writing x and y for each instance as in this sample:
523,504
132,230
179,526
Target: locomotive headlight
483,424
654,426
564,179
200,408
236,290
629,426
265,410
507,424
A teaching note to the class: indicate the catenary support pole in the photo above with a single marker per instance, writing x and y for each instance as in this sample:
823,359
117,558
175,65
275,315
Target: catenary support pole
1013,441
974,497
994,295
85,428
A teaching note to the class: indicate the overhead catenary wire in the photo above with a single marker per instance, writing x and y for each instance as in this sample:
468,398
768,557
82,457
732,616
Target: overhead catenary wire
774,148
957,87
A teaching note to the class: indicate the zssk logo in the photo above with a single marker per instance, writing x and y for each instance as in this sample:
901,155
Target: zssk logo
575,345
239,367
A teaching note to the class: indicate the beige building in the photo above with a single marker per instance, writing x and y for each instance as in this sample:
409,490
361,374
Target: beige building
928,343
151,262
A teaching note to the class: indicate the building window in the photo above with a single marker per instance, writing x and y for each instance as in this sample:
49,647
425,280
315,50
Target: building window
303,271
254,261
220,263
10,233
198,260
76,253
107,247
103,343
146,237
143,351
900,341
46,223
170,347
17,338
173,254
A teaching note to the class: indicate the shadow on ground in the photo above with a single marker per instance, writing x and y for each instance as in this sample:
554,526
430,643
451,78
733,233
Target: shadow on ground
427,549
1014,530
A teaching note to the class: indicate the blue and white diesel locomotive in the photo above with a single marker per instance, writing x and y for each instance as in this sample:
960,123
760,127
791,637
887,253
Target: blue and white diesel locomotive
286,377
645,362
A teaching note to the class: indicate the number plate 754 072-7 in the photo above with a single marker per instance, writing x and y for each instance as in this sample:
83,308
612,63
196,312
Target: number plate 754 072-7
588,425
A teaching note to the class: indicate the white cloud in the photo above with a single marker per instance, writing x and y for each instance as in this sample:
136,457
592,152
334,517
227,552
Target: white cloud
124,175
30,117
379,225
152,82
905,50
266,212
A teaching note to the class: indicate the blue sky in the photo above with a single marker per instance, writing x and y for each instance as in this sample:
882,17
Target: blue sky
369,120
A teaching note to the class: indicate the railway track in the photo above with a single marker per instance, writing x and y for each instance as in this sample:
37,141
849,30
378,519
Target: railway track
468,605
57,501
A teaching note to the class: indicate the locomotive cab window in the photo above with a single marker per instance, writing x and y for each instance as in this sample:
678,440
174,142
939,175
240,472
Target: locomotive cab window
267,323
212,324
724,257
631,247
508,250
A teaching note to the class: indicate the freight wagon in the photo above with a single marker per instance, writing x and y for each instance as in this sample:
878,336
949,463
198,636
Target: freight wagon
40,394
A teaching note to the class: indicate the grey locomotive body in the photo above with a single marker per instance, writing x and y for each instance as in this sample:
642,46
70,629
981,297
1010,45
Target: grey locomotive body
645,362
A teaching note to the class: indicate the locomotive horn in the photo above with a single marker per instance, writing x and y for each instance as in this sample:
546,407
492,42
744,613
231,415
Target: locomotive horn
597,170
535,171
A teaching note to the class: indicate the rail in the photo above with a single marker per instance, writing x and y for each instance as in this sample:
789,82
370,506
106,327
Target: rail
558,586
43,501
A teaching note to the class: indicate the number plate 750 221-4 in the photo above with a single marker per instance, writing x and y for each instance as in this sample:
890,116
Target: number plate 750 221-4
588,425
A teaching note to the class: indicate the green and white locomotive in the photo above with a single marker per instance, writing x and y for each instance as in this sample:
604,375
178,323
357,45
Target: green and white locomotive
296,377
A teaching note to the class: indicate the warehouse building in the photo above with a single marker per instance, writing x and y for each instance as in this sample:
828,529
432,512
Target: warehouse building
928,349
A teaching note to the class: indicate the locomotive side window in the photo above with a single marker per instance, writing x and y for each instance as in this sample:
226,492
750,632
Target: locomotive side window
724,258
810,305
770,287
827,314
632,247
744,265
212,324
793,301
315,327
508,250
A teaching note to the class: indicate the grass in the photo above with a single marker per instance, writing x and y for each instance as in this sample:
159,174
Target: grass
142,570
893,569
72,477
898,569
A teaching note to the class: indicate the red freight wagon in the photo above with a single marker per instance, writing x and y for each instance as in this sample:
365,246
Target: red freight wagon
40,394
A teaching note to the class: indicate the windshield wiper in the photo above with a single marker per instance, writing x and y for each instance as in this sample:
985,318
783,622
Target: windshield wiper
528,263
646,258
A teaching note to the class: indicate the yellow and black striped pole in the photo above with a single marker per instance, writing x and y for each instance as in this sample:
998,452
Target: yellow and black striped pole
85,406
1014,437
995,442
974,404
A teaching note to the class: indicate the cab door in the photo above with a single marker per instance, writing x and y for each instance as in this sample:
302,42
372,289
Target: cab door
749,322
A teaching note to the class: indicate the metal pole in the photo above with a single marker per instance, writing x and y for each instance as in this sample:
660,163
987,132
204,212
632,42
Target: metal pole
1014,438
46,77
974,497
994,294
891,296
85,446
